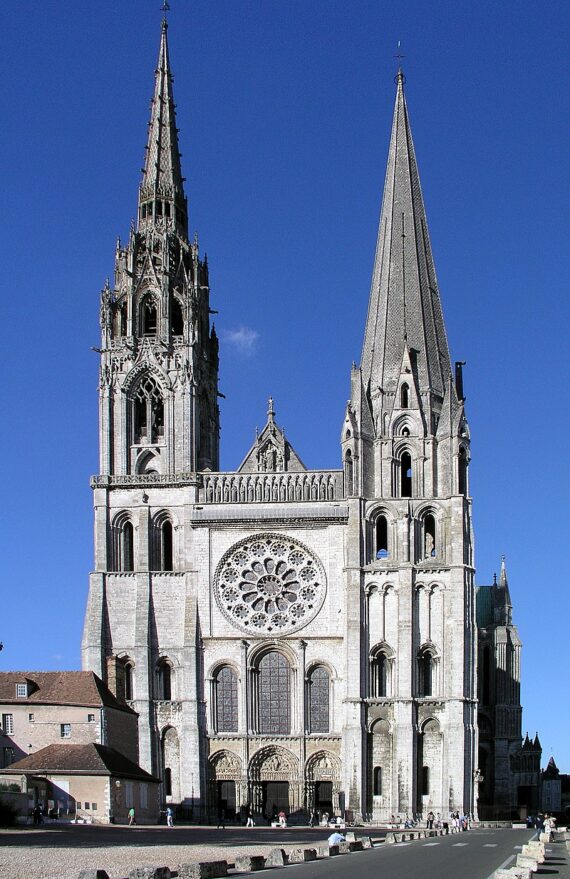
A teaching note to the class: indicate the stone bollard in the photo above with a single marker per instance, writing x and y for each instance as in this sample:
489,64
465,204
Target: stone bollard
343,848
390,838
248,863
513,873
327,851
529,863
531,851
203,870
150,872
93,874
276,858
355,846
544,837
350,836
300,855
366,841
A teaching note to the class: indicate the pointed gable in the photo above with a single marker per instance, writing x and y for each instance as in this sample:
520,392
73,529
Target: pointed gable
271,452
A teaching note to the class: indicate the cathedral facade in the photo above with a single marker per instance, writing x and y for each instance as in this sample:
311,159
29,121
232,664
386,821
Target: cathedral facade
291,639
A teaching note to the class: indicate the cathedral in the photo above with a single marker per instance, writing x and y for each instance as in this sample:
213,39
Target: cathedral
294,639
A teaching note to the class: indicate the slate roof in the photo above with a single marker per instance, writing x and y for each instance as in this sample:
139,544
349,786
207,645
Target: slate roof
90,759
59,688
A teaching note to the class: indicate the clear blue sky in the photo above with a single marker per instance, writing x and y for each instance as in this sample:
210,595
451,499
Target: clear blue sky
285,111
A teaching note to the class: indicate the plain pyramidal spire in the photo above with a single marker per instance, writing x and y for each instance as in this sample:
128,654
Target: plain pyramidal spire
404,306
161,197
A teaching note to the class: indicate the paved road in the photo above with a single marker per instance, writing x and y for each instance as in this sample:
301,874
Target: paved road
472,855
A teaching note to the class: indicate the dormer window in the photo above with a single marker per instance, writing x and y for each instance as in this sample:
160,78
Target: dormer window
21,691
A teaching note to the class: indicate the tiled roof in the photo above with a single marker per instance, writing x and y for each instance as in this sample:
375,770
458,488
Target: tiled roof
86,759
59,688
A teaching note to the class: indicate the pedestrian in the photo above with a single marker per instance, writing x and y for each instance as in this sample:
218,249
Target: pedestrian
249,822
282,819
132,816
221,818
335,838
169,817
37,815
430,819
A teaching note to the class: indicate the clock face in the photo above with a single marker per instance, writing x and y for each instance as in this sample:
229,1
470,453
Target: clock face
269,584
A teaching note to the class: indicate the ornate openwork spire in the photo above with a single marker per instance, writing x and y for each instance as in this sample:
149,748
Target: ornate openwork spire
161,196
404,305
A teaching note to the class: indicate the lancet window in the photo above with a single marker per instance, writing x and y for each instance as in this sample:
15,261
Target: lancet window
148,412
274,694
318,700
226,700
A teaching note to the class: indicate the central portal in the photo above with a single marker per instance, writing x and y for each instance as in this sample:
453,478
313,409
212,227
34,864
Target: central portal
275,798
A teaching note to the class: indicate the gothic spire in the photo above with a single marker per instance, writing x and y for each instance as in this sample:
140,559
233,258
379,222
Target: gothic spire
404,307
161,195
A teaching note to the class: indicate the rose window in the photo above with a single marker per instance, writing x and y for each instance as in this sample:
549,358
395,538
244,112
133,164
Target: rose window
270,583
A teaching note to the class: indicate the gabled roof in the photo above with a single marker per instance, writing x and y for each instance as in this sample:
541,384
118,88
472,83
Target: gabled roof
59,688
90,759
404,307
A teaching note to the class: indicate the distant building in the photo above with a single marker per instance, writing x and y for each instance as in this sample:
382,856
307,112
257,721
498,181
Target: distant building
551,800
510,769
295,639
89,782
61,707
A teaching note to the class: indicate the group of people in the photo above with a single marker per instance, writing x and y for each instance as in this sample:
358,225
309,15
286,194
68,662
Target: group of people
543,823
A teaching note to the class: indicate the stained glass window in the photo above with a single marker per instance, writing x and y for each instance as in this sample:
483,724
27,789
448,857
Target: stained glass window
226,700
274,695
319,701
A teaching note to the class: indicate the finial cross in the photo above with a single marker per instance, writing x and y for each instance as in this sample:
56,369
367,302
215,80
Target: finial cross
399,52
165,6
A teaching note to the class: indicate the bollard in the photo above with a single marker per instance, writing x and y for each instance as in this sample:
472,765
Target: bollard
93,874
276,858
150,872
300,855
248,863
203,870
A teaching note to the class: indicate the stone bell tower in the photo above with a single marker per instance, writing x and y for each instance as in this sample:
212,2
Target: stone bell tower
159,359
405,444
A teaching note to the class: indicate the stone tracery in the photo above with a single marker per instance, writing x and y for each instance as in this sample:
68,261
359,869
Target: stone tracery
270,583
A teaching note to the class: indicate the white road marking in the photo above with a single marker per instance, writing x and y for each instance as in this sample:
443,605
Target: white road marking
495,844
459,844
426,844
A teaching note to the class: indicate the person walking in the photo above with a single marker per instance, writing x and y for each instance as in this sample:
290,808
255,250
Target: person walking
221,819
249,822
169,817
132,816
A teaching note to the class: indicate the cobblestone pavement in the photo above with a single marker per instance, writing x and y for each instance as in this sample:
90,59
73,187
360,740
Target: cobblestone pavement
58,852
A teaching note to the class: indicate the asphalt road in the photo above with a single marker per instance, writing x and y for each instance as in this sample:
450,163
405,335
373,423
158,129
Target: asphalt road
471,855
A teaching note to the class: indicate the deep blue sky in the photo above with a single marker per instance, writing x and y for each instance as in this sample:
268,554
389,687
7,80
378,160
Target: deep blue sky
285,111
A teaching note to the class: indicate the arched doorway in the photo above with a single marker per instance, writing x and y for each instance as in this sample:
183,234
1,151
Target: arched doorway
275,783
224,788
322,784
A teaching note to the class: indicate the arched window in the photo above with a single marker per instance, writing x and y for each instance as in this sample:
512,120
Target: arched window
381,544
149,318
377,781
429,547
148,411
426,673
226,700
165,681
348,472
163,544
462,470
129,689
176,318
123,319
274,695
126,547
425,781
380,675
404,396
318,701
406,475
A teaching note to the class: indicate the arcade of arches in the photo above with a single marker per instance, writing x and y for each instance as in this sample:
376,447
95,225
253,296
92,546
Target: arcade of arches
273,781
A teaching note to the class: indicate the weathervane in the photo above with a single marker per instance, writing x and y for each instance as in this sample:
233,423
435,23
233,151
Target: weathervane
399,76
398,53
165,6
